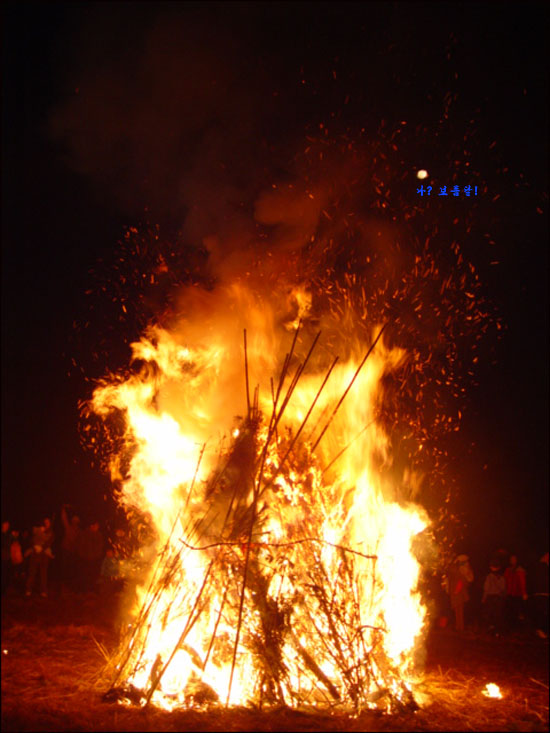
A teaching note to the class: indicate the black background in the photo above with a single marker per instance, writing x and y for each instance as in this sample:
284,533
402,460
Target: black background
392,61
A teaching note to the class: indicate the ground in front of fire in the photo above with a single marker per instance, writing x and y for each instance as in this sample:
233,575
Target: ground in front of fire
54,652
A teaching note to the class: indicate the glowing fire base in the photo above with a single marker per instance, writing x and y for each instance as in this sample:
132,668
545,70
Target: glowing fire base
278,580
306,634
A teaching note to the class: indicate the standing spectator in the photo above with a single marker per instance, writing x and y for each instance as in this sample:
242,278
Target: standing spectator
6,556
16,556
26,541
442,602
26,545
90,550
69,549
516,592
110,578
40,555
499,558
540,597
461,576
494,595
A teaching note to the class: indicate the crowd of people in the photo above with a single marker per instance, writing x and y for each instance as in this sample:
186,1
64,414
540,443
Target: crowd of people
72,557
501,600
504,603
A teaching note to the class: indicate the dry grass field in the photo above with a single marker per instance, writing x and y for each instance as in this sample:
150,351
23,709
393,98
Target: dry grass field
54,651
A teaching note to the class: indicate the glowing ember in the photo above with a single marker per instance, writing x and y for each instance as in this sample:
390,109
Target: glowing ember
421,174
492,690
279,565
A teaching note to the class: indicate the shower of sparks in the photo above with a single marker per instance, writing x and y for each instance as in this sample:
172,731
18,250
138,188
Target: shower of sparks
374,252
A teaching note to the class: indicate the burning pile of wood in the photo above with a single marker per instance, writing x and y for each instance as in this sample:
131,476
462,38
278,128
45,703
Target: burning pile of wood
289,614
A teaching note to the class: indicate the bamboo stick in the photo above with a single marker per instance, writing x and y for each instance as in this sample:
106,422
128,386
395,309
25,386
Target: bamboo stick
246,375
304,421
294,382
314,667
241,602
213,637
181,639
346,447
194,477
144,612
286,365
349,386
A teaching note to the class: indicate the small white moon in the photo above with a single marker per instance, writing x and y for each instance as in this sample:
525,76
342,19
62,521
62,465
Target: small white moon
422,174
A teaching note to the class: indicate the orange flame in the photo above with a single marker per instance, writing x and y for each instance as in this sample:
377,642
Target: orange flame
331,599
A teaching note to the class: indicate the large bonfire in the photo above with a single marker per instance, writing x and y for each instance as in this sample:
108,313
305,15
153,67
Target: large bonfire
280,568
271,434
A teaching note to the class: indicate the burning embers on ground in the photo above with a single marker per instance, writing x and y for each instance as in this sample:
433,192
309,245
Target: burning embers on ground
280,567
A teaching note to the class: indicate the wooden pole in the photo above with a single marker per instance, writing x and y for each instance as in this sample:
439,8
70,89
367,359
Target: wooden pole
188,627
349,386
304,421
241,602
246,375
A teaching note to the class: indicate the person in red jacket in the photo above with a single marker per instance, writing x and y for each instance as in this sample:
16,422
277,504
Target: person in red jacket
461,576
516,592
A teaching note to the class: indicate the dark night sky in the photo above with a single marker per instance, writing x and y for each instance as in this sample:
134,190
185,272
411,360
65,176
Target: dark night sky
59,218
